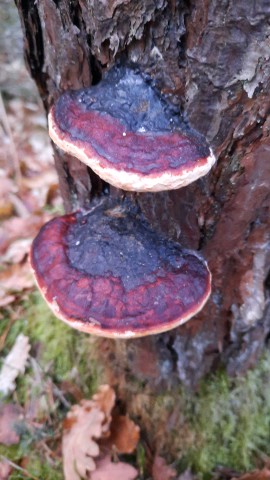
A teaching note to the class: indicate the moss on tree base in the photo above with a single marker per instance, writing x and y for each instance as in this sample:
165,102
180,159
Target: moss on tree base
225,423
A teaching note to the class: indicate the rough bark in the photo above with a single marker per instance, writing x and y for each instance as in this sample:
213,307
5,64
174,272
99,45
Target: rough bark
211,58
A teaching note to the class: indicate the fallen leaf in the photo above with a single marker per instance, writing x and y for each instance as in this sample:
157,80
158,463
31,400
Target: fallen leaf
5,470
44,179
6,209
87,428
6,300
107,470
19,228
15,278
14,364
10,414
263,474
6,185
71,389
82,425
162,471
124,434
17,251
104,399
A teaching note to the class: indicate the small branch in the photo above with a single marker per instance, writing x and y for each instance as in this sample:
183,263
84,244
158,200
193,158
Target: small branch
15,158
17,467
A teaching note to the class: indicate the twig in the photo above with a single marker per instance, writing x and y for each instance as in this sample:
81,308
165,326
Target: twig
57,392
15,158
5,333
19,206
17,467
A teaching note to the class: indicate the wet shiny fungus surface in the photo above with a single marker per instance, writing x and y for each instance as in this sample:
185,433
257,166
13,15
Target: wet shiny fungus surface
110,270
126,123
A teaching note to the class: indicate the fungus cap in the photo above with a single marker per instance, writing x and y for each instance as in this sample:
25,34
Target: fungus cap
129,135
108,273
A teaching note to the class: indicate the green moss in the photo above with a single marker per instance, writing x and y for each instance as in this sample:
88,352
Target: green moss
41,469
34,460
141,459
61,353
226,423
230,420
38,469
68,354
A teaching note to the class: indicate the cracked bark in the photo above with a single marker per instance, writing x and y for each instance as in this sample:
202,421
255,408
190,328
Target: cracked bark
212,59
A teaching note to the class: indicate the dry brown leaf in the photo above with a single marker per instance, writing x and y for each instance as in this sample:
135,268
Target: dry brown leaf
15,278
106,470
10,414
104,399
44,179
39,188
263,474
6,185
162,471
88,425
14,364
82,425
69,388
5,300
5,470
6,208
17,251
125,434
20,228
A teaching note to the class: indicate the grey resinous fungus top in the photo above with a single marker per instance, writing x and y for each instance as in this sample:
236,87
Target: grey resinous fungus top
129,125
111,273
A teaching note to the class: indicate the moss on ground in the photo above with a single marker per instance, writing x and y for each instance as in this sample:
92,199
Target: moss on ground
230,420
67,353
60,353
226,423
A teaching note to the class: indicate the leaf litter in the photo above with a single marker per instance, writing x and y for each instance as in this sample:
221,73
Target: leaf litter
10,415
28,188
87,425
14,364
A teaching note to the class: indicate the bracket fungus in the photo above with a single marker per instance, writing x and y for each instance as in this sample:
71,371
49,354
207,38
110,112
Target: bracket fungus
129,135
107,272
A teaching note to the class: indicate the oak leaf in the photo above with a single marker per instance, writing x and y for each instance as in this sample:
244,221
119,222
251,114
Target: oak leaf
88,428
104,399
10,414
107,470
82,426
263,474
5,470
14,279
14,364
162,471
124,434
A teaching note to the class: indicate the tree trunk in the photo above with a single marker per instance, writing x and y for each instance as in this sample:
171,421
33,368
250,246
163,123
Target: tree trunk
212,59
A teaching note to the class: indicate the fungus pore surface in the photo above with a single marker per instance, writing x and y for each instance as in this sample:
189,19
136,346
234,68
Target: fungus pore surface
108,273
129,135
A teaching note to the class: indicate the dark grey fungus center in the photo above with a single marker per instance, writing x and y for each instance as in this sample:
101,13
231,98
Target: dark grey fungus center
117,244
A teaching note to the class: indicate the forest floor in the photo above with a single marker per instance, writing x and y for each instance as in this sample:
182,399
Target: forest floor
57,419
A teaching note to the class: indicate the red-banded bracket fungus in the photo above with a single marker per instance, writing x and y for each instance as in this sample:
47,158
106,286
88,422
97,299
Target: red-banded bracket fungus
129,135
108,273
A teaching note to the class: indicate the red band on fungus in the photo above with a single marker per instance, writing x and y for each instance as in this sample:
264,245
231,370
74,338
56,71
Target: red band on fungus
128,135
108,273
